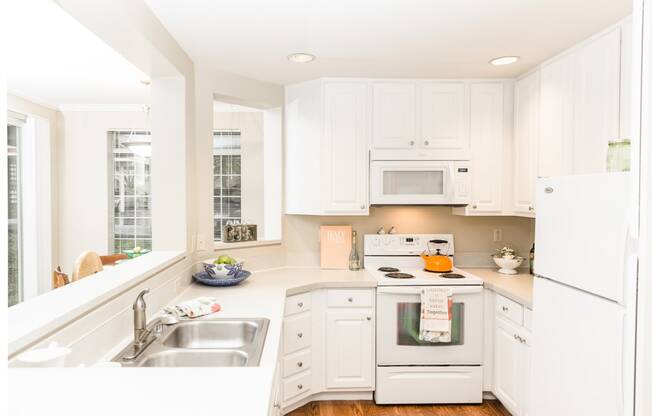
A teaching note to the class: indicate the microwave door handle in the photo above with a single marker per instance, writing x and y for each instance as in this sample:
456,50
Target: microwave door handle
410,290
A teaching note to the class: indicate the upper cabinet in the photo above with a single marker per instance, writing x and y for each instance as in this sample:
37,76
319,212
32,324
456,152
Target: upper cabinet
420,120
597,99
487,136
394,111
555,147
526,138
326,161
442,117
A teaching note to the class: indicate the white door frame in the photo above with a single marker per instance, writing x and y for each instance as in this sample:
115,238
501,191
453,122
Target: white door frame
642,89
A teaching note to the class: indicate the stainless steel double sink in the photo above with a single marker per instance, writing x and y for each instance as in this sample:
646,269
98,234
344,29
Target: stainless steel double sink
201,343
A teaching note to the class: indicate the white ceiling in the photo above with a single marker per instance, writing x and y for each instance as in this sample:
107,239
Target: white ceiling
380,38
53,60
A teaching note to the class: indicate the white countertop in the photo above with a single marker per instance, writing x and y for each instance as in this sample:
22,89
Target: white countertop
517,287
229,391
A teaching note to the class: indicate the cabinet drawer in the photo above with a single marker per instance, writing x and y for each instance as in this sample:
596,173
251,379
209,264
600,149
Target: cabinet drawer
296,333
296,362
296,385
297,303
351,298
527,319
509,309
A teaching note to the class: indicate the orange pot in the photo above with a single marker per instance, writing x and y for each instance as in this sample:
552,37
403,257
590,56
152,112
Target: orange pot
437,262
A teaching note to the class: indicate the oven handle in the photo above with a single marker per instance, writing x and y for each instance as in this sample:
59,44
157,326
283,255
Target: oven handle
411,290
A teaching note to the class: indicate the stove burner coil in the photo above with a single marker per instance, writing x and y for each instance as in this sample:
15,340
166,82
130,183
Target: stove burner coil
388,269
395,275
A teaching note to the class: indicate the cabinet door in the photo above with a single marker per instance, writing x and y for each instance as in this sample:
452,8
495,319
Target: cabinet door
525,354
526,108
556,117
350,346
486,131
442,121
597,96
344,181
506,366
394,119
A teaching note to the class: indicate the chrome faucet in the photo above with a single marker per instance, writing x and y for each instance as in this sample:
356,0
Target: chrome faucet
140,320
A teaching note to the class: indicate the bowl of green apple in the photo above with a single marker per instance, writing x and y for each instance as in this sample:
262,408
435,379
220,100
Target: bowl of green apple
223,267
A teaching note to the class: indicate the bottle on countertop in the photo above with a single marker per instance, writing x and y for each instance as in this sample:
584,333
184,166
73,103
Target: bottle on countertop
532,259
354,259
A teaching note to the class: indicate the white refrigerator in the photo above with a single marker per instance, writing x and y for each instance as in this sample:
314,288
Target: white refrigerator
584,291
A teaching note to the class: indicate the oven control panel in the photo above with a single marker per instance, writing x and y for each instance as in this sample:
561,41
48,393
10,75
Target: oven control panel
403,244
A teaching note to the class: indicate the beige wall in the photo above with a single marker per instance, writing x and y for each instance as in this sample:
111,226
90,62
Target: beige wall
473,235
250,125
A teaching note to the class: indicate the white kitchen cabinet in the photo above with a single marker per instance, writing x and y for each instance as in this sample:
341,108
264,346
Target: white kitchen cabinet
394,115
442,116
597,97
350,358
345,177
526,137
327,148
487,143
555,147
511,367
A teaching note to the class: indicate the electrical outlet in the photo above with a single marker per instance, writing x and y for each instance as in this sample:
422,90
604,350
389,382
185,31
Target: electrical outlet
498,235
201,243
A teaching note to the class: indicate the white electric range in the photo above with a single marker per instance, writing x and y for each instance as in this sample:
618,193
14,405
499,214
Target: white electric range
409,370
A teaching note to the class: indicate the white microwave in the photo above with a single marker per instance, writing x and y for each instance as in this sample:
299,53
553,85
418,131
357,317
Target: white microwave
420,182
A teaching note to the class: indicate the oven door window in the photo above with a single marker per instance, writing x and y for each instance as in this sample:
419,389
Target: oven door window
409,317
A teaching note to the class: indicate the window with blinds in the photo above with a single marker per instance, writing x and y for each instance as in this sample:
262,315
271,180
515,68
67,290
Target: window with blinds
227,180
131,222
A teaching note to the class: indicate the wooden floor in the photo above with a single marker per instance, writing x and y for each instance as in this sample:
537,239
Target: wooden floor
369,408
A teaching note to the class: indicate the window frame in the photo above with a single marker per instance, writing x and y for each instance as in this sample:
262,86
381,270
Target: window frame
225,152
111,192
17,121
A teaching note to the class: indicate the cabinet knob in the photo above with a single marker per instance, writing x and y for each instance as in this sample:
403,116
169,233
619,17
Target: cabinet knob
300,364
475,206
368,318
530,208
505,308
300,386
362,206
411,142
516,336
300,304
350,299
548,190
277,406
300,334
426,142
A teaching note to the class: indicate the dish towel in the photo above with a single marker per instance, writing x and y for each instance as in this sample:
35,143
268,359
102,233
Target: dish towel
436,314
196,307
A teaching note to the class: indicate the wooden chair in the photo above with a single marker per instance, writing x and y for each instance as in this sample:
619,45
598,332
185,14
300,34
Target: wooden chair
59,278
87,263
112,259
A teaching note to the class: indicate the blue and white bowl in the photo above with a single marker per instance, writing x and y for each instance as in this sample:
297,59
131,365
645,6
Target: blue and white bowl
222,271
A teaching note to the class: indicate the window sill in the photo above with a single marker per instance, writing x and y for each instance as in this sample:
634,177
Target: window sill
37,317
219,245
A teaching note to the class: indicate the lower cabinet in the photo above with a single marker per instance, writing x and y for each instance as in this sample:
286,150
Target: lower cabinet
350,348
328,346
511,366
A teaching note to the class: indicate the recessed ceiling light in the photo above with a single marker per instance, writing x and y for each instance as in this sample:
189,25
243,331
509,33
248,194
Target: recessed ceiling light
301,58
504,60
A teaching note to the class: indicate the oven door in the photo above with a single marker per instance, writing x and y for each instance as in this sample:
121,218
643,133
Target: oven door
398,317
411,182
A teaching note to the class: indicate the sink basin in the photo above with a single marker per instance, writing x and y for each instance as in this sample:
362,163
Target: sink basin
212,334
171,358
201,343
